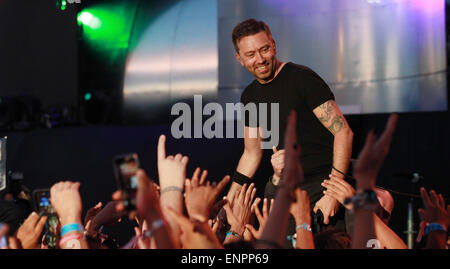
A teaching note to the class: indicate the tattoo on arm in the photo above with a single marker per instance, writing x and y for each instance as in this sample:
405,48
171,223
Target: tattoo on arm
327,109
336,124
327,115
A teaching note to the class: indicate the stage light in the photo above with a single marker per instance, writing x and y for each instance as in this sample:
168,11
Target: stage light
106,28
88,19
87,96
63,5
97,108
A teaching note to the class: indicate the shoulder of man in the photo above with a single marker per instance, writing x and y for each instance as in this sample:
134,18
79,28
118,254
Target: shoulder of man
301,69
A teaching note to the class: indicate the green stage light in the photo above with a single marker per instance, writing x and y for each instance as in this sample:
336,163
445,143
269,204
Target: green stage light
87,96
107,26
88,19
63,5
106,29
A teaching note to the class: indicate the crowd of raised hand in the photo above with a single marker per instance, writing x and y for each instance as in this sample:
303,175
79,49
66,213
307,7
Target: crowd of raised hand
190,213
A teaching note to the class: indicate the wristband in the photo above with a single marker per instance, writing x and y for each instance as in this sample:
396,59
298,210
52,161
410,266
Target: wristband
230,232
305,226
241,179
434,227
67,238
171,188
155,226
292,239
72,227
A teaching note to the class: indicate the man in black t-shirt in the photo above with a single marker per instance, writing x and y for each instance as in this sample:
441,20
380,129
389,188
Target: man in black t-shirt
323,134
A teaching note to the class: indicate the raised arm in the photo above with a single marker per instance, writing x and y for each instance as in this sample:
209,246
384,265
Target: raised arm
274,232
250,159
172,174
365,171
66,201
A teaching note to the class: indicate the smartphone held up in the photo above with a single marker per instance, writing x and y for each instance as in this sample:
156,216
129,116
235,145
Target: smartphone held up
43,207
125,169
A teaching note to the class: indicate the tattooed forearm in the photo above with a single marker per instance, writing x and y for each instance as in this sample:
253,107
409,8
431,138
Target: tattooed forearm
336,124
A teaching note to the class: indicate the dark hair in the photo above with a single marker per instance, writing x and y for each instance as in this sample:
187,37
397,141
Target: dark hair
249,27
332,238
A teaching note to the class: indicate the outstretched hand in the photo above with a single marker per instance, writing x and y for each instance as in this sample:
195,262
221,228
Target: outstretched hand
372,156
262,218
195,235
171,170
29,233
301,209
434,210
239,214
201,195
339,189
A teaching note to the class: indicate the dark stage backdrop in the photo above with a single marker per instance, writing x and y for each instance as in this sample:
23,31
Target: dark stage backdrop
85,154
38,51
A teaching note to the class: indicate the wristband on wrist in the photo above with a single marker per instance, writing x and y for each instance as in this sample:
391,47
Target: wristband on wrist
76,237
72,227
233,233
430,227
171,188
426,228
155,226
241,179
342,173
305,226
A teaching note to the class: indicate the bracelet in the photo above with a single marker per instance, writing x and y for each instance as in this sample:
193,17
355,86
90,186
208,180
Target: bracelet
67,238
230,232
240,179
305,226
434,227
342,173
72,227
171,188
155,226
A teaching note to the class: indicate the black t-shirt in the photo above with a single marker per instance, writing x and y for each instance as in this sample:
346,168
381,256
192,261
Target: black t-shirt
298,87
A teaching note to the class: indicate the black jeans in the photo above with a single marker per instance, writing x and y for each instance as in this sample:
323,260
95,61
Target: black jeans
315,191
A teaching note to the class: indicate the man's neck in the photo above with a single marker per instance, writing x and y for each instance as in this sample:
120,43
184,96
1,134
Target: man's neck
279,65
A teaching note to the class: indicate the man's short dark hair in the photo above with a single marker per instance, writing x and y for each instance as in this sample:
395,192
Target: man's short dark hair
247,28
